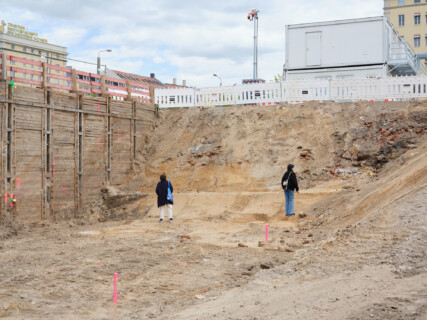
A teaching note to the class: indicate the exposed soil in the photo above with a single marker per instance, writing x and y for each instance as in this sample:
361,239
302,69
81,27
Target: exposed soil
355,250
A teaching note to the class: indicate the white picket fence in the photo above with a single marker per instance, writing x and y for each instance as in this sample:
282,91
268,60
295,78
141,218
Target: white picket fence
297,91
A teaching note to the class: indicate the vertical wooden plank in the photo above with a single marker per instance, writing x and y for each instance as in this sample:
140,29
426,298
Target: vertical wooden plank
63,146
2,150
44,75
152,97
74,80
28,147
129,88
103,85
133,135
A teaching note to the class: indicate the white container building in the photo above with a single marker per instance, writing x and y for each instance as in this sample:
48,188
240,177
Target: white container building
355,48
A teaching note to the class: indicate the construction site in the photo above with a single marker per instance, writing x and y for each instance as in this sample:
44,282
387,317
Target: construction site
82,172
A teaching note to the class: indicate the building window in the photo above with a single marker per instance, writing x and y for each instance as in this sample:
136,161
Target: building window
24,76
57,56
24,64
12,73
426,39
12,46
24,49
32,50
417,1
401,20
417,41
56,81
40,78
401,2
12,62
48,80
40,53
417,18
32,77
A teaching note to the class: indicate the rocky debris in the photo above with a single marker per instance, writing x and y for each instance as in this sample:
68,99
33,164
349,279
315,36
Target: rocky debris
294,243
205,150
186,237
261,243
267,265
302,215
242,245
306,155
113,198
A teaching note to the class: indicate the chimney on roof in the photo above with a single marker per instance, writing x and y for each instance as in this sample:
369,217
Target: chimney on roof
184,83
152,75
174,81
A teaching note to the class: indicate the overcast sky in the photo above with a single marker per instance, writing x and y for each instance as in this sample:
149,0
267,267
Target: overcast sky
186,39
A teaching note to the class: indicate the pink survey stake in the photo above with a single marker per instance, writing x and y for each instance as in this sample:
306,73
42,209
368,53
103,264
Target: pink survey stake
266,233
116,276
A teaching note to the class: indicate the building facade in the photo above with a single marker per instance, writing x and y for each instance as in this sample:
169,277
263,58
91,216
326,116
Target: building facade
16,41
409,17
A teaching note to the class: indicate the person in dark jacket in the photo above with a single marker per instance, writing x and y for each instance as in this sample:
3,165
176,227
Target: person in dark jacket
162,197
290,184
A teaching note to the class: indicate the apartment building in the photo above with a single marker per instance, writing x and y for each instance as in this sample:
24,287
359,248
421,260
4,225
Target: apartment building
409,18
16,40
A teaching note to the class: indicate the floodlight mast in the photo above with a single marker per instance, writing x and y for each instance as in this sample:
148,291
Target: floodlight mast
253,16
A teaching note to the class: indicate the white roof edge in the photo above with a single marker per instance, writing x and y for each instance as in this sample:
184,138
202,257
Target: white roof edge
333,22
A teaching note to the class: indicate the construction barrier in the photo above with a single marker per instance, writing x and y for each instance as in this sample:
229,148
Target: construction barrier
297,91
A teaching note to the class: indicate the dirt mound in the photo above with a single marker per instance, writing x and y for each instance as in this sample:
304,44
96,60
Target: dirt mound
248,148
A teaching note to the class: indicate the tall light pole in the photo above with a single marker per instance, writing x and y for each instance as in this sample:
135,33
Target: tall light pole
98,61
253,16
220,80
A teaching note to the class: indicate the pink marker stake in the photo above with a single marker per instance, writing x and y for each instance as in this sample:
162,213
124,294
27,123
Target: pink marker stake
116,276
266,234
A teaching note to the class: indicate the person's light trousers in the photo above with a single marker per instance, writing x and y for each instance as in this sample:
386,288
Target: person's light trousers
162,211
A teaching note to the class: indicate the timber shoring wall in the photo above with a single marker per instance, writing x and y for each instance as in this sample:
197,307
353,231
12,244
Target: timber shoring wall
59,149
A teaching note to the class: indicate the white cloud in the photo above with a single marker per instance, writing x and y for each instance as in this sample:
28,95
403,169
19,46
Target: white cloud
188,39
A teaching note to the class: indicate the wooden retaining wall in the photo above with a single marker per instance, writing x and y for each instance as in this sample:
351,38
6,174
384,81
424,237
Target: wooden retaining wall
59,149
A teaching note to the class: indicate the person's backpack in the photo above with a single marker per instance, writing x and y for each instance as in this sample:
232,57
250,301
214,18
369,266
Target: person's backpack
285,183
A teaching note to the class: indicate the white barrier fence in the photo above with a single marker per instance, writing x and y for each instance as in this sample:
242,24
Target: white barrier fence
393,88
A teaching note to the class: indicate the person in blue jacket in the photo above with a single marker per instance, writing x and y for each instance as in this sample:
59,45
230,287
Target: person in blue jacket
162,197
289,185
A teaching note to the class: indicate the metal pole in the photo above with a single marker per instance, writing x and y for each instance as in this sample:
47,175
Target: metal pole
98,65
256,45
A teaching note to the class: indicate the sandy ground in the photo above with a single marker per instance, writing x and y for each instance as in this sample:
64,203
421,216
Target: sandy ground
373,268
358,250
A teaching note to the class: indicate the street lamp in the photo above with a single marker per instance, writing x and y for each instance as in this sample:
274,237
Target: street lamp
220,80
98,61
